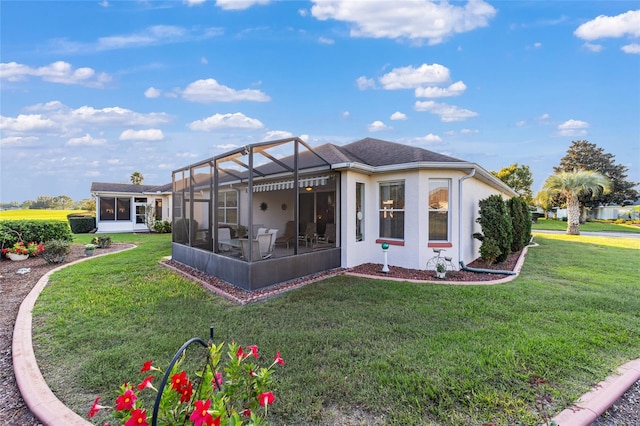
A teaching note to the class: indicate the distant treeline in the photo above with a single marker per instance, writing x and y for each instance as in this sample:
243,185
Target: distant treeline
46,202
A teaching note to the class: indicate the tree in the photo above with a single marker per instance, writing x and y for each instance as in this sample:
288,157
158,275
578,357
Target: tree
583,155
519,178
137,178
62,202
496,227
545,201
571,186
87,204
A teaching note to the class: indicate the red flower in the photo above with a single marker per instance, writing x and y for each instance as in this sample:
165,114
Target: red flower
246,412
254,351
126,400
179,380
240,354
278,360
147,366
138,418
201,414
94,408
266,398
186,392
146,383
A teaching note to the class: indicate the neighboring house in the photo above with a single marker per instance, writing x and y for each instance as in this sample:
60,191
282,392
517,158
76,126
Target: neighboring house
615,212
370,191
122,207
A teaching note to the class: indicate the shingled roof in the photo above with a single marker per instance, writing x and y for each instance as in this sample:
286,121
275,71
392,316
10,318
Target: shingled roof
128,188
376,152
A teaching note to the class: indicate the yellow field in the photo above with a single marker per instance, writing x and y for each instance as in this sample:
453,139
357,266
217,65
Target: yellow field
35,214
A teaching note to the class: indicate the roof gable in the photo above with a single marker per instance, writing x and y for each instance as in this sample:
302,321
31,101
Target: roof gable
128,188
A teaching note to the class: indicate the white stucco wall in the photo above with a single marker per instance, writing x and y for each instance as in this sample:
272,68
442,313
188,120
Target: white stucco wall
416,249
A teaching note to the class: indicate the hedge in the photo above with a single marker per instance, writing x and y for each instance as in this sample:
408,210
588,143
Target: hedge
38,231
81,224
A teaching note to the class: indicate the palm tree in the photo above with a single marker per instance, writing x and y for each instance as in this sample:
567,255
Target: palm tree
137,178
571,185
543,200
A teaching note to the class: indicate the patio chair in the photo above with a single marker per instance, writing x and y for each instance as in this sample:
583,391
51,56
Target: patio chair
224,234
310,234
264,242
329,237
255,250
289,234
274,235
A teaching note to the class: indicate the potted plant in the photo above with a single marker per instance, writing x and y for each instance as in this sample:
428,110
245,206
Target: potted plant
441,270
89,249
20,251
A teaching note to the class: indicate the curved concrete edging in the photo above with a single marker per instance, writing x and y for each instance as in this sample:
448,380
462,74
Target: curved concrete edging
35,392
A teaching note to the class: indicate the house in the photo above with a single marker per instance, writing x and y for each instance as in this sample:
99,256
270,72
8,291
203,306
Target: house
368,192
122,207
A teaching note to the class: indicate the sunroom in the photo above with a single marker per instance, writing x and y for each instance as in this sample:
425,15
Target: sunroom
258,215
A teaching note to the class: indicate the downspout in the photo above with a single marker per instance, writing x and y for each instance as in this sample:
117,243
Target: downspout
462,179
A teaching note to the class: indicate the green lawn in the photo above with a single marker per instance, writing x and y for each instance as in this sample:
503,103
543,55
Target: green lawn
559,225
404,353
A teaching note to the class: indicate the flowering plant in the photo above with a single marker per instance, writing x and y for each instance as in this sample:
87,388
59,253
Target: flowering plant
32,249
230,395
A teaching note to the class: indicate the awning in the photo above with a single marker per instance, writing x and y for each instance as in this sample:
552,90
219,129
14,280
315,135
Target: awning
288,184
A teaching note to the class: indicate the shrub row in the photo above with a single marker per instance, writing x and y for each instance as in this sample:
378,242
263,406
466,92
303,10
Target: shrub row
81,224
11,231
506,227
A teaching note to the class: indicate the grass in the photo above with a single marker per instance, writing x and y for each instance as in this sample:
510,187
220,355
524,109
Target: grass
401,352
559,225
37,214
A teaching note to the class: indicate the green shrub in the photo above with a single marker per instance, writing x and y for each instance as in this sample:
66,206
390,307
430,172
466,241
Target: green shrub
81,224
161,227
496,224
33,230
56,251
101,241
489,250
520,223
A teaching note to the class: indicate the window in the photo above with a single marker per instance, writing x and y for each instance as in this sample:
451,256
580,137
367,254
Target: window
107,208
359,211
112,208
124,209
392,210
228,207
439,191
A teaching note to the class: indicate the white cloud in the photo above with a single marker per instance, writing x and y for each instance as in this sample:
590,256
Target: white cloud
626,24
521,123
469,131
86,140
430,138
544,117
410,77
378,126
56,72
325,40
415,20
346,114
204,61
114,161
150,36
193,2
573,128
209,90
447,113
537,45
27,123
226,147
239,4
633,48
593,47
455,89
152,92
115,116
142,135
18,140
277,134
220,121
398,116
365,83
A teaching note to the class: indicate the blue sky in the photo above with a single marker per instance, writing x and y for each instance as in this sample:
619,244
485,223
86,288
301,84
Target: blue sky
94,90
